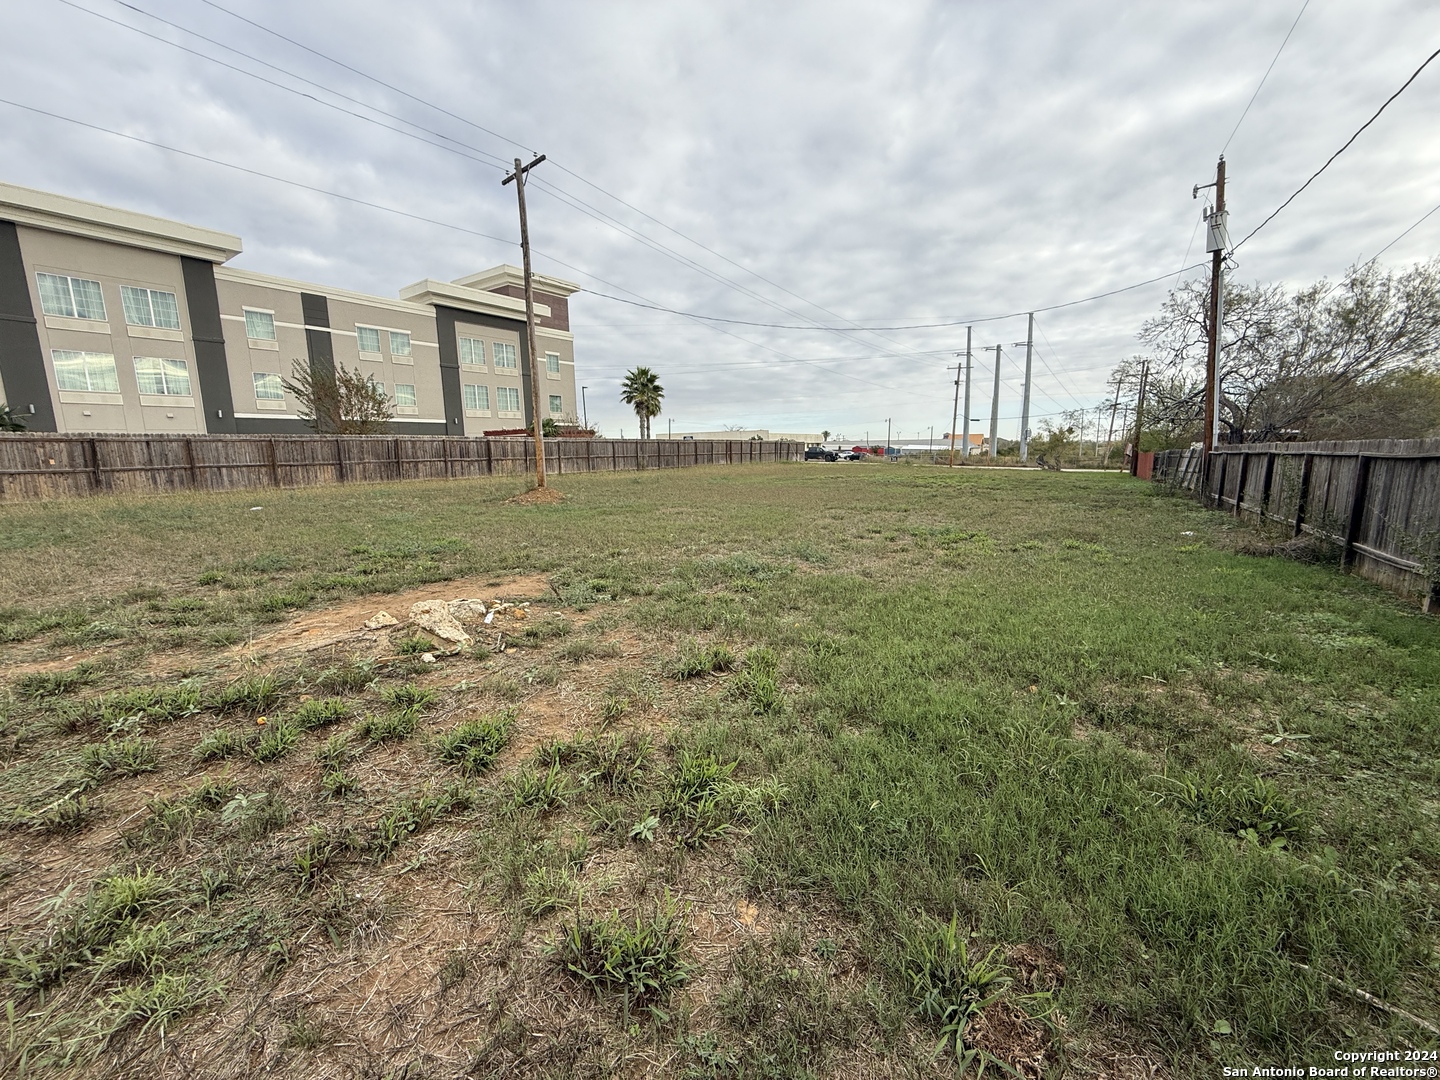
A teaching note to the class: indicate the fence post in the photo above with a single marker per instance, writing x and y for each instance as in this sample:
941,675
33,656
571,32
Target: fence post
1357,510
190,461
489,460
1302,503
274,466
339,461
399,467
96,476
1266,485
1240,485
1220,479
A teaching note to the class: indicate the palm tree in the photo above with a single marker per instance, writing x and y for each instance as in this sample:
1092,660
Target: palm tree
642,391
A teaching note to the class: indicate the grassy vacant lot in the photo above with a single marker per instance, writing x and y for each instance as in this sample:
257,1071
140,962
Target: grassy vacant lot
793,770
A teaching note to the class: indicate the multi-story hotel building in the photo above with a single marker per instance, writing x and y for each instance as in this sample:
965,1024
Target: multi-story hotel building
113,321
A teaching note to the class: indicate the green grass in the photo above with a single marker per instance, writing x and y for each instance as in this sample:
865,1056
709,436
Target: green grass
971,710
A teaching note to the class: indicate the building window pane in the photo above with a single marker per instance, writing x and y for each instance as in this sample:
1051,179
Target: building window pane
55,298
504,355
136,303
89,303
552,363
268,387
557,406
259,325
472,351
507,398
167,310
92,372
405,395
150,307
162,375
72,298
399,343
368,338
477,397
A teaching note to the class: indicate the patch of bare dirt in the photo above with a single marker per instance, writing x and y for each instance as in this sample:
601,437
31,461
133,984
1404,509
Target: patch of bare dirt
546,496
345,623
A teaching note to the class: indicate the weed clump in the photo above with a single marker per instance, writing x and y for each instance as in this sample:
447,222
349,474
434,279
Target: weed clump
535,792
759,683
949,987
220,743
118,757
538,631
319,712
474,744
643,962
276,740
1258,811
252,694
694,660
390,726
415,815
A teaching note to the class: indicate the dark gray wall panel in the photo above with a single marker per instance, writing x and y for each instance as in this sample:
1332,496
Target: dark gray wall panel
22,362
206,332
318,343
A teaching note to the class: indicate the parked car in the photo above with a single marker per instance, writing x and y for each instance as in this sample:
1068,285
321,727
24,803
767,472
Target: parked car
851,455
820,453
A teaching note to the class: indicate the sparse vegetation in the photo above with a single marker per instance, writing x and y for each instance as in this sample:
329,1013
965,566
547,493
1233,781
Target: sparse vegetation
991,743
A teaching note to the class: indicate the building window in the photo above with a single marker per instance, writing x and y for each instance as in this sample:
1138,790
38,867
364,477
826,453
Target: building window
504,355
399,343
86,371
268,386
477,398
552,363
71,297
507,399
368,338
259,325
150,307
161,375
405,395
472,352
557,406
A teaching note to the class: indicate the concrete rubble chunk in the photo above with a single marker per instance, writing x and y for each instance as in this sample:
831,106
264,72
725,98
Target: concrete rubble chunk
434,616
467,611
379,619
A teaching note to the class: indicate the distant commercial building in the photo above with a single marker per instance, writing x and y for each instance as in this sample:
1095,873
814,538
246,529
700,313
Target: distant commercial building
748,433
113,321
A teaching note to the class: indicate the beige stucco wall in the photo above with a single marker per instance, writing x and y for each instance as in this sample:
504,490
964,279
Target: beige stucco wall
239,291
420,370
477,423
563,384
112,265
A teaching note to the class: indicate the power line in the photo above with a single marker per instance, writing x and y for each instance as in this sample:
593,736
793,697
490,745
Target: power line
1404,234
1337,153
574,202
910,326
1253,96
400,213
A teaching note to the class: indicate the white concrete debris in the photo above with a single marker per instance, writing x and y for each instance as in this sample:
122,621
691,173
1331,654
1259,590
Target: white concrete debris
381,619
467,611
434,616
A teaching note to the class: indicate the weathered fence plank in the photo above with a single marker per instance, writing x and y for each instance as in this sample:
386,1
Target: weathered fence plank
49,466
1378,500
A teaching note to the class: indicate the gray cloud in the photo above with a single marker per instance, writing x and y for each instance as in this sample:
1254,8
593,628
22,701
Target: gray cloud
889,162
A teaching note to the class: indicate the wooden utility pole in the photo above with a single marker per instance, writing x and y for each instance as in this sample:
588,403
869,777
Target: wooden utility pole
519,177
1139,417
1217,240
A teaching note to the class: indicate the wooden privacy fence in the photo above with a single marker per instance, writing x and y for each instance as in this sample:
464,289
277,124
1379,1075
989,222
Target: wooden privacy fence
1378,500
41,466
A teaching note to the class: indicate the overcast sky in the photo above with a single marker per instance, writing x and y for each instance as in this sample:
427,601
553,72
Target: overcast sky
830,163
